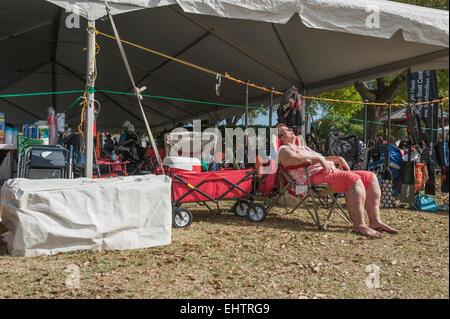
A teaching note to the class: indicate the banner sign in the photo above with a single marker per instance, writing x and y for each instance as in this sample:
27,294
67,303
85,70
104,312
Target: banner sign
423,87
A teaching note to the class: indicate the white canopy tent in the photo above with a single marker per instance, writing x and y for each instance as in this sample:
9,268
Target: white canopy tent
316,45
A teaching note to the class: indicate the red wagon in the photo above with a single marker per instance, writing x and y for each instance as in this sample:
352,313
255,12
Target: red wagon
215,186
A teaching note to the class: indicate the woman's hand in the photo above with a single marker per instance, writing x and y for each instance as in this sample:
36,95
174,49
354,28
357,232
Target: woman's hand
342,162
326,166
339,161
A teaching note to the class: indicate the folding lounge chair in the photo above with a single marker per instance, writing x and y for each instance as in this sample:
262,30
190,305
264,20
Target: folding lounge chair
317,193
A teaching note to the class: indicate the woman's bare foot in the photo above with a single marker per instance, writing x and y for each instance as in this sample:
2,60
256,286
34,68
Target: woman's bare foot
383,227
367,231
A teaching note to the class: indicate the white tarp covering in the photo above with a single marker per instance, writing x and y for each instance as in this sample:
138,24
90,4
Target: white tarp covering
420,24
53,216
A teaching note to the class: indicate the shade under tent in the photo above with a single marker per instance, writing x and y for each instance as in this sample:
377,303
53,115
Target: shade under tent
314,45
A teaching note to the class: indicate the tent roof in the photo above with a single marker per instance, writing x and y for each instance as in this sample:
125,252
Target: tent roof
316,45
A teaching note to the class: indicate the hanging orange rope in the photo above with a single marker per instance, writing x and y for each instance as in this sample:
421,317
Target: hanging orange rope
226,75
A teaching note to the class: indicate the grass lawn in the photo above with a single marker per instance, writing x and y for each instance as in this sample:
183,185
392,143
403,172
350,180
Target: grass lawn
223,256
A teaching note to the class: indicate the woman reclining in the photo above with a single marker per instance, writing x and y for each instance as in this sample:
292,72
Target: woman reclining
361,188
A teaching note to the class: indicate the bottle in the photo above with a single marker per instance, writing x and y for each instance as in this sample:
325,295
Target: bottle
42,132
33,131
8,135
25,130
52,126
15,134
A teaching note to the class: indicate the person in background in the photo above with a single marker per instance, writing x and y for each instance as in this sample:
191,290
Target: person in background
392,140
108,147
128,136
379,139
126,124
123,134
374,151
403,147
130,149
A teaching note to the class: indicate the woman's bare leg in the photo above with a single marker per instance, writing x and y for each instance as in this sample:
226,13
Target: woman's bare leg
355,198
372,206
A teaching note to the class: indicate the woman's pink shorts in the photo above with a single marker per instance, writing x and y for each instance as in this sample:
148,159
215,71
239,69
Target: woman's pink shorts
340,181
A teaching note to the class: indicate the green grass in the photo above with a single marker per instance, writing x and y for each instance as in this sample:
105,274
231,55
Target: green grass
223,256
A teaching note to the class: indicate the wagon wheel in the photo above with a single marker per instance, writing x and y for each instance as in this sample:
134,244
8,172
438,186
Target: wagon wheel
240,208
256,212
181,217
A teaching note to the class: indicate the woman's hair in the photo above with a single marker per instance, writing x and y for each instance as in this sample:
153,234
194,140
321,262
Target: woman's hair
279,126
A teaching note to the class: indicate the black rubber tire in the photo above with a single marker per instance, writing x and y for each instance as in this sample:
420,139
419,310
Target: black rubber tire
256,212
240,208
181,217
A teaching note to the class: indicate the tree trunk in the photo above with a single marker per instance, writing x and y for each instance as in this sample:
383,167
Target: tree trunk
373,115
382,94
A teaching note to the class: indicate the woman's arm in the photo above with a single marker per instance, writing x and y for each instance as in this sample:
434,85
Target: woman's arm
290,158
339,161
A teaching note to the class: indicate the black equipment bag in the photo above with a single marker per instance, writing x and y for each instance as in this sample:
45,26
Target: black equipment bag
290,109
346,146
408,182
430,188
439,149
416,134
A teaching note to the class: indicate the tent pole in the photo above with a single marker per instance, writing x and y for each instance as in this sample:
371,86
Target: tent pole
441,104
246,106
271,107
431,106
365,122
388,149
90,99
54,85
303,128
246,124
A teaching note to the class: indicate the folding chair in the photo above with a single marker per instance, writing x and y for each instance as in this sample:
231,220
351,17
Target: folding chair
317,193
43,161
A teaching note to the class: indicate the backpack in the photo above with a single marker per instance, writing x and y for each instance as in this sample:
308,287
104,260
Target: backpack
425,203
290,110
346,146
386,186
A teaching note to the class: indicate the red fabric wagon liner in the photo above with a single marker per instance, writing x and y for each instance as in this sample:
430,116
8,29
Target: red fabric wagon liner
223,184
